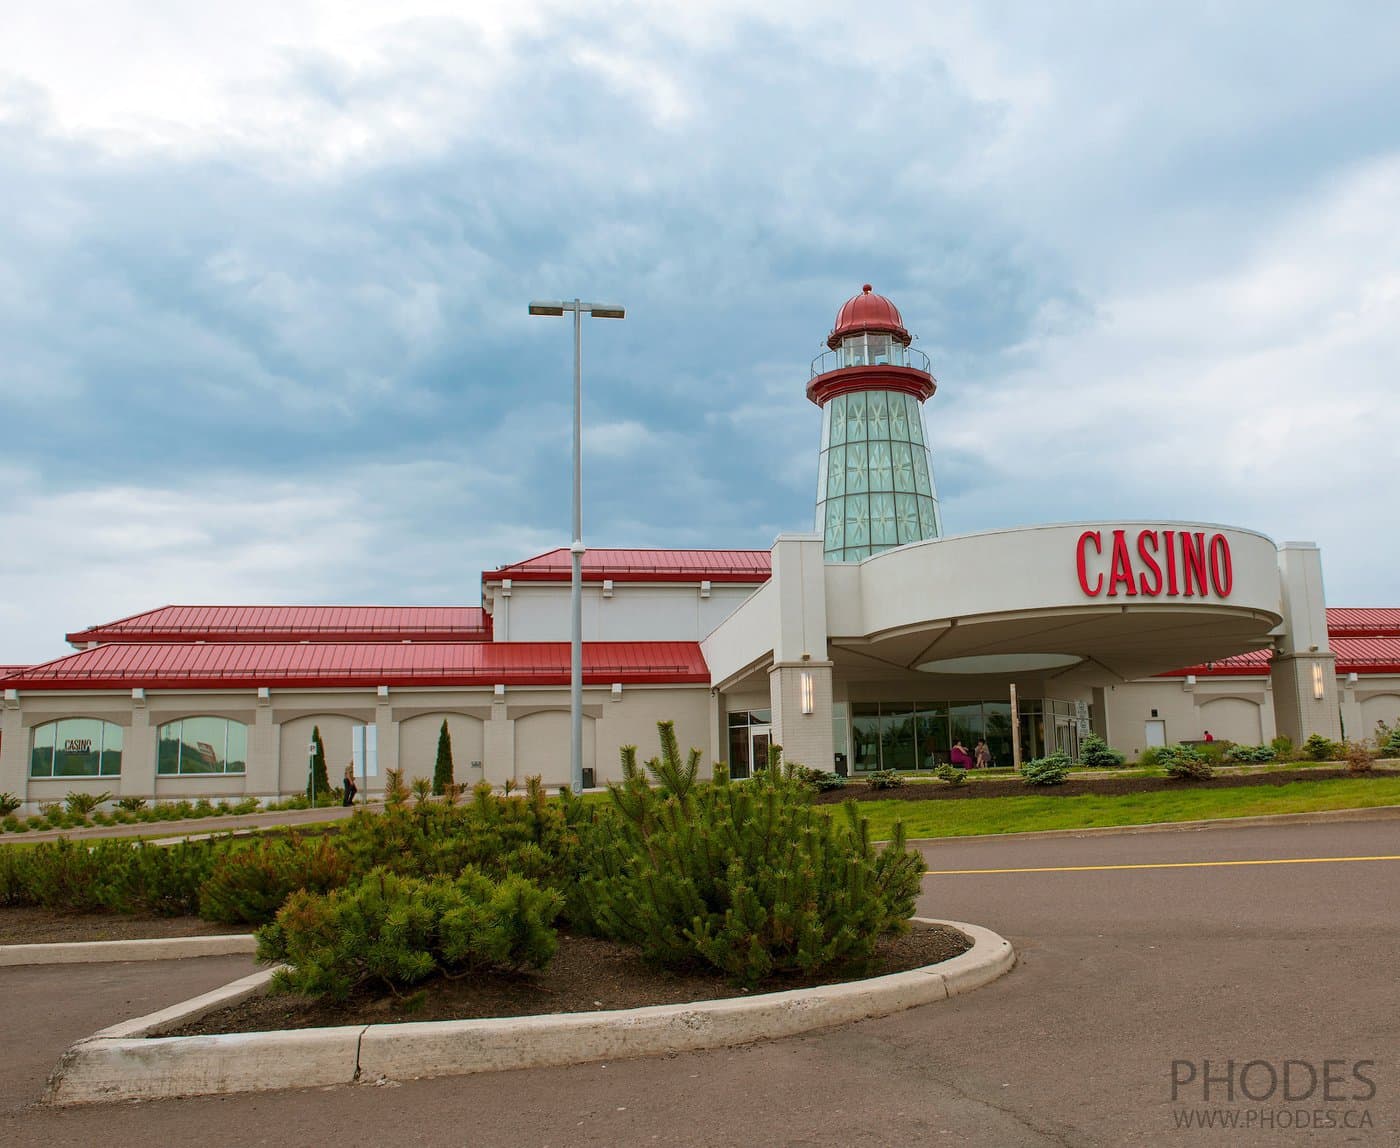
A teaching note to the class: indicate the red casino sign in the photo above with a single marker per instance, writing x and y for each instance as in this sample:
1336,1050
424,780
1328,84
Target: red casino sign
1157,563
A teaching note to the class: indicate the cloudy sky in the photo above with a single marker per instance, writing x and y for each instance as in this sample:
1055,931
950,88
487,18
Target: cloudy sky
264,269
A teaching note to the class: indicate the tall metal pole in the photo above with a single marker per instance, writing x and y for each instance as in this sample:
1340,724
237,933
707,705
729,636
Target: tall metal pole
576,584
1015,731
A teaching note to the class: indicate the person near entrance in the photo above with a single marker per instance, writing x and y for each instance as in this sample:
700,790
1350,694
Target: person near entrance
349,789
981,755
959,757
1210,737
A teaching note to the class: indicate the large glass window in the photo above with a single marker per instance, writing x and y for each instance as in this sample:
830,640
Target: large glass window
865,735
76,747
898,744
875,485
202,745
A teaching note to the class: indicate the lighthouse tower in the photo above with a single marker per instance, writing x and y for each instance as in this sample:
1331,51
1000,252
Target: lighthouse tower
875,481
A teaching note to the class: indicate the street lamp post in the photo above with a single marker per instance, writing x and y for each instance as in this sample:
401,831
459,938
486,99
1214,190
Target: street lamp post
577,308
311,770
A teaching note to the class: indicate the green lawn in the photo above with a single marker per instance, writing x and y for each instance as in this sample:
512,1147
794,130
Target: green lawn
976,816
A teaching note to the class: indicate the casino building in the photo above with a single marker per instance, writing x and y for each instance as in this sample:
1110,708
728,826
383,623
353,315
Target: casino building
874,641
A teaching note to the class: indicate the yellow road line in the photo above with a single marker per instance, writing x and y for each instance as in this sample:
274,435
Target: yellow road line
1158,865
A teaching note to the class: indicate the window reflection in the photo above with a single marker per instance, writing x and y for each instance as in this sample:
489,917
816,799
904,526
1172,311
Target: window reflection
76,747
202,745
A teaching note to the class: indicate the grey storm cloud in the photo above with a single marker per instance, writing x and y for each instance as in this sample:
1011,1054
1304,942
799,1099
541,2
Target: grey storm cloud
323,306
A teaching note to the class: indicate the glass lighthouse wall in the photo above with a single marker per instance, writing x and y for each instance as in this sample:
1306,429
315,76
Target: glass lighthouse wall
875,482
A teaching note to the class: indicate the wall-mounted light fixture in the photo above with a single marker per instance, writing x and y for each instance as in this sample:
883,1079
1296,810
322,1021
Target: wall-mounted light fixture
1317,681
617,691
499,692
1352,679
809,698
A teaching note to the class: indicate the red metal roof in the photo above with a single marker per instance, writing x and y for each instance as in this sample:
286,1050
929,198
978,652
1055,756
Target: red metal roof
330,665
1360,622
867,312
294,624
642,566
6,671
1369,655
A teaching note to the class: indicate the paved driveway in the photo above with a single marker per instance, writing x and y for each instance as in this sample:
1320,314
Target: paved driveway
1123,971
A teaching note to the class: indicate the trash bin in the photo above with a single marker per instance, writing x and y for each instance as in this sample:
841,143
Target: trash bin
588,782
842,769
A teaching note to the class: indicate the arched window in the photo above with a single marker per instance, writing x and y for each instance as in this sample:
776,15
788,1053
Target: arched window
76,747
195,745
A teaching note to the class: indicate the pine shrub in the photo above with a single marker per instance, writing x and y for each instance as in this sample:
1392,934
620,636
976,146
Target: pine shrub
1250,754
1095,753
248,884
8,804
397,931
1388,739
1185,762
1052,769
745,877
884,779
951,774
1319,748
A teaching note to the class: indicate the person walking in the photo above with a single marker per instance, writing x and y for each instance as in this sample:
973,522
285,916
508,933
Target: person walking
350,788
981,755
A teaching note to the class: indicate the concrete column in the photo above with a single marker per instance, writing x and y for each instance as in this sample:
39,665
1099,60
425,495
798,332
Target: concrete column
498,745
14,747
719,728
1304,674
1098,712
1299,712
386,740
1353,724
806,738
264,752
138,777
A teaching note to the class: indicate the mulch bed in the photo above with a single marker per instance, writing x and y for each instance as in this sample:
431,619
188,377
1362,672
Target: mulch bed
586,974
26,926
1074,787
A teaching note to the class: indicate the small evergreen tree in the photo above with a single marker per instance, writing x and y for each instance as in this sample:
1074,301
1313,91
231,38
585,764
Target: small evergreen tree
442,769
322,780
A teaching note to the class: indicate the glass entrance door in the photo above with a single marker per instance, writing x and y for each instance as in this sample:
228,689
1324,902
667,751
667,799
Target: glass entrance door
759,738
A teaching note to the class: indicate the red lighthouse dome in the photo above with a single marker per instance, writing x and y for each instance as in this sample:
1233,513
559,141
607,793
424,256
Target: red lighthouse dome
867,312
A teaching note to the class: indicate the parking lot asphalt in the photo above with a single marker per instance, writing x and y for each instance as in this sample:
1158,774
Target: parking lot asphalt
1127,975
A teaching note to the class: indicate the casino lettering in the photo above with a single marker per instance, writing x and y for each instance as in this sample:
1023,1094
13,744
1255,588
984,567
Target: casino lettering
1157,563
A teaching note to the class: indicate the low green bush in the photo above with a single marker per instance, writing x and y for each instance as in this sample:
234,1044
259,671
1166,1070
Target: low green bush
746,877
83,804
164,880
1319,748
1282,746
131,804
1095,753
1360,757
1052,769
884,779
1250,754
8,804
818,780
249,882
13,824
1185,762
951,774
1388,739
397,931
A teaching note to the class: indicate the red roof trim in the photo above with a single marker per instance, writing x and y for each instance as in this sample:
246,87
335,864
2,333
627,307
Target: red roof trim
189,666
909,380
742,566
295,623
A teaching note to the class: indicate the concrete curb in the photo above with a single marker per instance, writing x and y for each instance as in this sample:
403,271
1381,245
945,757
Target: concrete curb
120,1064
1318,817
157,949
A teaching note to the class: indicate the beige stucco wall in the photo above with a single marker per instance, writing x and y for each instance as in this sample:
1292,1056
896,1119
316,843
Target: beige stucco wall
633,612
418,742
1235,708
